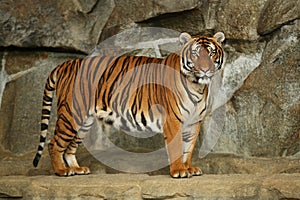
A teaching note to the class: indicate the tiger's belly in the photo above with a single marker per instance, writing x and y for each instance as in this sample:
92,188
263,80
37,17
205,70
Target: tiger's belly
132,124
139,124
131,127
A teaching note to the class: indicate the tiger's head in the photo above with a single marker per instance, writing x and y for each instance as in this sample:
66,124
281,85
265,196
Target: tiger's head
201,57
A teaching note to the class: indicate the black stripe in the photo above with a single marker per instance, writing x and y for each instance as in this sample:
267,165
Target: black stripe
42,139
45,112
143,119
36,159
184,84
111,88
157,124
124,125
40,148
88,91
47,98
82,87
125,96
203,110
57,140
129,118
185,66
114,103
44,126
50,78
66,139
75,114
178,118
67,124
97,66
48,87
150,113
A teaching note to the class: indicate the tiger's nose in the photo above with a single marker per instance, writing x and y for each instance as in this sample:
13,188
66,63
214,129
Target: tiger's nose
202,69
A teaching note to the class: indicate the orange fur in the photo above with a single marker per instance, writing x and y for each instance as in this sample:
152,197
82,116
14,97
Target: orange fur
118,89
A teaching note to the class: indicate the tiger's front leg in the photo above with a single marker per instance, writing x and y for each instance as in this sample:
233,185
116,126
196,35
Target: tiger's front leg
173,137
189,140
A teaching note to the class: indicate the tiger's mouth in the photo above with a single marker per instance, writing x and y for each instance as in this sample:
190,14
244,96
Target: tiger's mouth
203,79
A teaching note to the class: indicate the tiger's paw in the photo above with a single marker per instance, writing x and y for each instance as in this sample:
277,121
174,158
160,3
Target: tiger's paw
180,173
82,170
65,172
195,171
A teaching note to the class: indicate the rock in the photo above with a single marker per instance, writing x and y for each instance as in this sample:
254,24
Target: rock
52,24
140,10
147,41
175,15
125,186
22,100
277,13
209,10
239,20
84,30
85,6
267,103
180,21
216,163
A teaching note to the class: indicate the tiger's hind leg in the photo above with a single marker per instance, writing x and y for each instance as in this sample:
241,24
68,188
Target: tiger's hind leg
56,150
63,136
70,152
71,160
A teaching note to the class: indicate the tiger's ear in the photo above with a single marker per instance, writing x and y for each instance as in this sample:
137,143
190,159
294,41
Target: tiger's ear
219,36
184,38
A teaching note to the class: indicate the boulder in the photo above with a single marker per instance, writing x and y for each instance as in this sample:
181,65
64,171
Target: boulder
53,24
277,13
266,108
175,15
239,20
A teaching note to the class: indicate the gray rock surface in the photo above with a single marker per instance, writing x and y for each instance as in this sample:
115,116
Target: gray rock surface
55,24
239,19
268,102
277,13
129,186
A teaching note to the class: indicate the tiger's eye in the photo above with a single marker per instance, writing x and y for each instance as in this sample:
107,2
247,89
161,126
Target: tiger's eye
195,53
213,52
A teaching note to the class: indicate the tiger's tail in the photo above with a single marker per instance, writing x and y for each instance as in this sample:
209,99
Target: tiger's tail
46,110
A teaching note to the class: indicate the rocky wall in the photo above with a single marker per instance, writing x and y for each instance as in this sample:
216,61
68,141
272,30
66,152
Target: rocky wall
260,82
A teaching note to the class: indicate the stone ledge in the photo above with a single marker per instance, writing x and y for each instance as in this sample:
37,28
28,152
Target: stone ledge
211,164
140,186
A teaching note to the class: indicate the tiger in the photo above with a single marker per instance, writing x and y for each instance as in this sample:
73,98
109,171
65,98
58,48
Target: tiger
124,92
